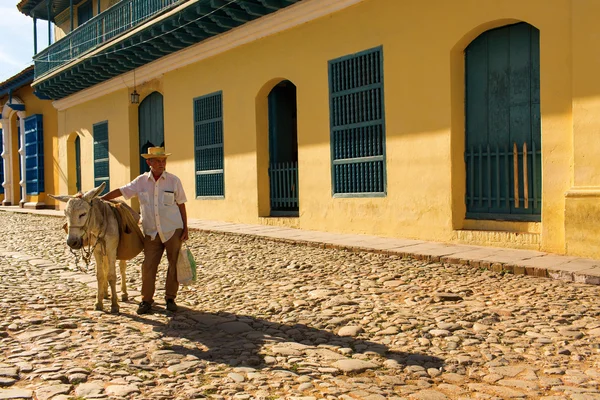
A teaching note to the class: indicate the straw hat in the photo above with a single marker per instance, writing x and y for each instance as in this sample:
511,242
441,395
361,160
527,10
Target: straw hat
156,152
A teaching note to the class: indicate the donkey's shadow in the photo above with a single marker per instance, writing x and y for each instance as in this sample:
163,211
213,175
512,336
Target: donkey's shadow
242,340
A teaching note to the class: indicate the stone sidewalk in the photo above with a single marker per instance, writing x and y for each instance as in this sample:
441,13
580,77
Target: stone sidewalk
524,262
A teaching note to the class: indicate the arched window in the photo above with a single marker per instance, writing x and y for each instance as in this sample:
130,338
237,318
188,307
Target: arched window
283,150
503,131
151,125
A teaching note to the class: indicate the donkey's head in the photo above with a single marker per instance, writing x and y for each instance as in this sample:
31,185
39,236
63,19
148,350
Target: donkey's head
78,214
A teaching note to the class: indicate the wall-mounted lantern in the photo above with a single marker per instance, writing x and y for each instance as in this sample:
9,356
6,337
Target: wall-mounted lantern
135,96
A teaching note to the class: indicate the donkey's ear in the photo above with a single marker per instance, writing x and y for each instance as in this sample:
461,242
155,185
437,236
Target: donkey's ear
94,192
64,198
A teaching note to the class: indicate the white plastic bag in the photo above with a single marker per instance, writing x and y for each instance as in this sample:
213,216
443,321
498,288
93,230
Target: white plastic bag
185,273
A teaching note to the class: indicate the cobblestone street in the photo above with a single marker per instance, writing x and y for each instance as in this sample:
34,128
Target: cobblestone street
269,320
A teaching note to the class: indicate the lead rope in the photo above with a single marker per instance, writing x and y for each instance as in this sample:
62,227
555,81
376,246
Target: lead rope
86,254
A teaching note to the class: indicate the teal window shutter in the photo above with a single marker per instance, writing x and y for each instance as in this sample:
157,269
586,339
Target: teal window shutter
502,125
357,124
208,145
1,163
101,170
34,154
78,163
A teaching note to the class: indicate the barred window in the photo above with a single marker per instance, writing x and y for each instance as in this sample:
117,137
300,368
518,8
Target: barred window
208,145
357,124
101,167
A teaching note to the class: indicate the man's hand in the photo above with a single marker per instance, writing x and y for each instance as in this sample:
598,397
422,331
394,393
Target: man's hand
184,234
112,195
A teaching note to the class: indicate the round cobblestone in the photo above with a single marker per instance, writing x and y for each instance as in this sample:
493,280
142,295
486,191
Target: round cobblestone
267,319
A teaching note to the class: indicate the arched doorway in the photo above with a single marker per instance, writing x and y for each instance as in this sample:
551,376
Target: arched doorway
283,150
502,121
151,125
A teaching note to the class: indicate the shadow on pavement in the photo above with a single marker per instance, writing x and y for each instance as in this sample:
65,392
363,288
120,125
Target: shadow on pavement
242,340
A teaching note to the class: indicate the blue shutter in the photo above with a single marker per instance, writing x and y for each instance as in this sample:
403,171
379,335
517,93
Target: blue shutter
208,144
1,163
357,124
34,154
101,170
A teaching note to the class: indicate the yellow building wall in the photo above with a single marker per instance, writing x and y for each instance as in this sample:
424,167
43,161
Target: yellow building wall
582,212
33,105
423,44
424,114
79,120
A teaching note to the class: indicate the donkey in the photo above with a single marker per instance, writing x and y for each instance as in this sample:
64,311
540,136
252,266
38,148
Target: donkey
93,220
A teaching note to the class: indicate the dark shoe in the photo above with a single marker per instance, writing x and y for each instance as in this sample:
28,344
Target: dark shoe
144,308
171,306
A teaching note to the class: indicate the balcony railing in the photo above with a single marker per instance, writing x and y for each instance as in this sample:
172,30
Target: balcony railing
103,27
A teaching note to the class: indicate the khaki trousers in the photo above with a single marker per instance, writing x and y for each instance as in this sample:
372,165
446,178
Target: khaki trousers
153,251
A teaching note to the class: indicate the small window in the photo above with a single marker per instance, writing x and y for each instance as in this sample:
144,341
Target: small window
101,167
34,154
208,145
357,124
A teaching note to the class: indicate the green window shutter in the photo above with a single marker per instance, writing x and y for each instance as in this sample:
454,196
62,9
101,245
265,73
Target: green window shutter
357,124
101,167
1,163
502,117
78,163
208,145
34,154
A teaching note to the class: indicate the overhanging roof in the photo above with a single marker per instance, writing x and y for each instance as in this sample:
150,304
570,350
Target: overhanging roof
166,34
39,8
17,81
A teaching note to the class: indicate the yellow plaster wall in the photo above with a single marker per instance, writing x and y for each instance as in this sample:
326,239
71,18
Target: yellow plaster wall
79,120
586,92
582,211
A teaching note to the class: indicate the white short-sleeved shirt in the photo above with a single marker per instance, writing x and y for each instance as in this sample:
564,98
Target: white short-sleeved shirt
158,202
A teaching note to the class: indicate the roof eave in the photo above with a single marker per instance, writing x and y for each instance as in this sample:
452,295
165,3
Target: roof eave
17,81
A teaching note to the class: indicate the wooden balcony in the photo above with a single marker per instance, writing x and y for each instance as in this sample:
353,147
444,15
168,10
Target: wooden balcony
133,33
104,27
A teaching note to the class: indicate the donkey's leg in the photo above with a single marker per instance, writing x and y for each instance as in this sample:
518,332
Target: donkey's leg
123,267
100,279
112,280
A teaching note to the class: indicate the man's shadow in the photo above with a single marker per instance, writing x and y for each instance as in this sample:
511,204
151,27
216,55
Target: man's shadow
246,341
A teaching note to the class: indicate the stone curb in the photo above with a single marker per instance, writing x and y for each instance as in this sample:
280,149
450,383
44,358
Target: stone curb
498,267
558,273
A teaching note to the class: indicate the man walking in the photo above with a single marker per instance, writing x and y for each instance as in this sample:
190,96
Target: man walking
164,221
